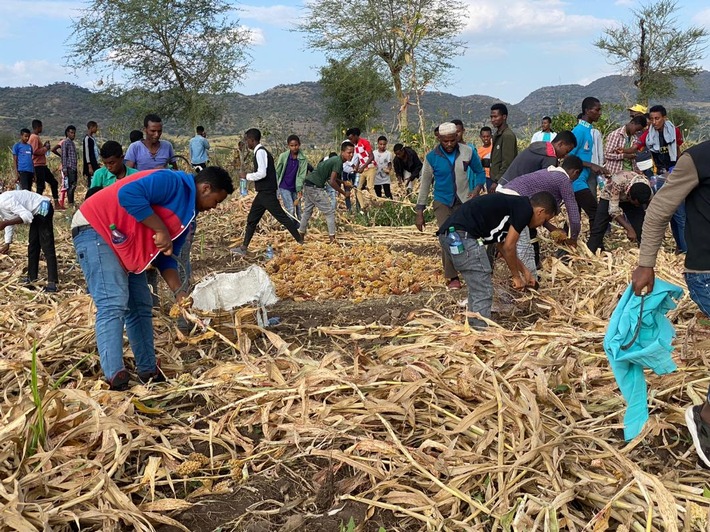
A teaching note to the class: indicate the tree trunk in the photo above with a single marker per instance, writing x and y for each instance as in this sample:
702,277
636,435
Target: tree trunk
403,101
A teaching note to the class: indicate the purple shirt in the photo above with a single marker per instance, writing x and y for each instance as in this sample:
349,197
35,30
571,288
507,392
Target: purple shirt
288,182
138,154
557,183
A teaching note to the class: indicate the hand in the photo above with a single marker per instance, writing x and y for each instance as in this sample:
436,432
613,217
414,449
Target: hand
419,221
4,249
494,186
3,225
163,242
643,278
600,170
572,242
631,234
529,279
242,175
518,282
180,297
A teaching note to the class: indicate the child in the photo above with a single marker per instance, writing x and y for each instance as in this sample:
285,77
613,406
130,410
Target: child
67,151
383,160
25,207
39,160
484,153
114,167
22,154
266,184
290,172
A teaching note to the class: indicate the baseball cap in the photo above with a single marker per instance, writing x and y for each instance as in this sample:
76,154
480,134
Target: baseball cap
638,108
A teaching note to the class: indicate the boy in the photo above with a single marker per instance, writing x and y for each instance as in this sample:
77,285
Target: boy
151,211
493,219
291,170
407,166
66,149
484,153
266,185
22,154
90,153
114,167
383,160
314,193
199,146
366,162
39,160
25,207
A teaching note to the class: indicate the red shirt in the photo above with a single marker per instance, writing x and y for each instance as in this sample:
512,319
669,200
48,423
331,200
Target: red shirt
362,149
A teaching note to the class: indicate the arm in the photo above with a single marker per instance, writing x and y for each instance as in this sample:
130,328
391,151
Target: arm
336,183
281,166
8,226
509,150
93,163
261,163
614,148
476,175
573,214
427,179
521,275
57,150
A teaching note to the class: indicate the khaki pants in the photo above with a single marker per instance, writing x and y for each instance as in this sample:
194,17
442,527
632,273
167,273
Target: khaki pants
442,212
367,179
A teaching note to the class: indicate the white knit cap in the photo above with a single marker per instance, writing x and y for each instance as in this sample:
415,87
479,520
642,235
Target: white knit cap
447,128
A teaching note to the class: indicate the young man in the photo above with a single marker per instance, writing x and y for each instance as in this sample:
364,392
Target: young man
540,155
199,148
637,110
114,167
25,207
689,183
151,152
545,134
314,194
90,153
557,180
366,159
484,153
407,166
586,199
505,144
22,155
446,171
383,160
291,168
151,212
39,160
619,140
66,149
266,184
493,219
476,174
623,199
135,136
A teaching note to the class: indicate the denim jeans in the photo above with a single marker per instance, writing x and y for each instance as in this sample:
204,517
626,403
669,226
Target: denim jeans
678,220
121,298
288,198
314,197
474,267
699,289
333,196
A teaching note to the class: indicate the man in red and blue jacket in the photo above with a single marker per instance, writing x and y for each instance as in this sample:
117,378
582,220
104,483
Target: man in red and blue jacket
118,232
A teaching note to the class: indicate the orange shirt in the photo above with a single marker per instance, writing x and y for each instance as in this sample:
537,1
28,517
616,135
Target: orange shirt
485,153
39,157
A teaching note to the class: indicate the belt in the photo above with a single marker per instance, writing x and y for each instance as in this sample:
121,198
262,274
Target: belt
78,229
311,184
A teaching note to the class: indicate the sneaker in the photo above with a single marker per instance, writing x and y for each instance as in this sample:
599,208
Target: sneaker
50,288
151,376
700,431
454,284
119,382
240,251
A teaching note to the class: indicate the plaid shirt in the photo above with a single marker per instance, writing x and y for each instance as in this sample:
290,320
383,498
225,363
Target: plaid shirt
69,161
615,140
616,190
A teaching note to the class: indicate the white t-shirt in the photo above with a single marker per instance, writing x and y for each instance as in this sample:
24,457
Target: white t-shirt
383,160
20,204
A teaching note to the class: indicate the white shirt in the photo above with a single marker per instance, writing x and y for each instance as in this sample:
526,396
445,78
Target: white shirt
19,203
262,162
540,136
383,160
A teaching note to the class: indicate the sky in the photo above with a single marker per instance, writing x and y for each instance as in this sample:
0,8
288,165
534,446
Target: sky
513,46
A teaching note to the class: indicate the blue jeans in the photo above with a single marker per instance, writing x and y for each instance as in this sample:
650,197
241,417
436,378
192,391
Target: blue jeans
699,289
288,199
678,220
333,195
121,298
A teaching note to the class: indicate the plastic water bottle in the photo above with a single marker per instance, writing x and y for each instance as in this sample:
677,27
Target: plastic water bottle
601,181
454,241
243,186
269,252
117,237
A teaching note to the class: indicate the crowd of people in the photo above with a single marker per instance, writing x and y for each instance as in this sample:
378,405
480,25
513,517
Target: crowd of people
139,215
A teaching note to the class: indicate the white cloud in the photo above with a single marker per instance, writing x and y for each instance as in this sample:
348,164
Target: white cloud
625,3
34,72
43,8
256,35
702,18
279,15
539,20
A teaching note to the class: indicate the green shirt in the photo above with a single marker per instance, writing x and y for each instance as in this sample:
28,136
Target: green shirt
321,175
103,178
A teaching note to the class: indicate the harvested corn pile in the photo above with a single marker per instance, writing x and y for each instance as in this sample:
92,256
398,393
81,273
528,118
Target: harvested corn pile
420,425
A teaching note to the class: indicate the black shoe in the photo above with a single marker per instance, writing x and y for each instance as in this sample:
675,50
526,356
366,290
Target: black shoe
151,376
51,288
700,431
119,382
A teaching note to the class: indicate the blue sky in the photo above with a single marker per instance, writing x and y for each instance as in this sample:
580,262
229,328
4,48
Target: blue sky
514,46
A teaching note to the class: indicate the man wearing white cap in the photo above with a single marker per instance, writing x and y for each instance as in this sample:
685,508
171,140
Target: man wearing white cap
445,172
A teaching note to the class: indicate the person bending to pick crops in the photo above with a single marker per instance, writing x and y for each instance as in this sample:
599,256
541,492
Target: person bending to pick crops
266,184
407,166
314,193
446,171
690,183
540,155
493,219
118,233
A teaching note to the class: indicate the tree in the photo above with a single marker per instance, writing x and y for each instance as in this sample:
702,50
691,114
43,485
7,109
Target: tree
655,49
392,35
351,93
175,55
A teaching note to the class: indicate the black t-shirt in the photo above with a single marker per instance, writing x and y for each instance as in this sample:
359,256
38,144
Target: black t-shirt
663,158
489,217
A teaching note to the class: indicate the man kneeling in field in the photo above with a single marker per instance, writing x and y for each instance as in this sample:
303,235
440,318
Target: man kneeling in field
493,219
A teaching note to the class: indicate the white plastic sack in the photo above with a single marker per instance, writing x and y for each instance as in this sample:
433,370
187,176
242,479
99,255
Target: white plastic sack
227,291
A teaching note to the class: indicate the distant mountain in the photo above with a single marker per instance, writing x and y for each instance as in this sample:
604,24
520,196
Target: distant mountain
298,108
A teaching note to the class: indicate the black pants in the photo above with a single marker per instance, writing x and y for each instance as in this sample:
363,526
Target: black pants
267,200
72,179
587,202
26,179
635,215
43,175
386,188
42,237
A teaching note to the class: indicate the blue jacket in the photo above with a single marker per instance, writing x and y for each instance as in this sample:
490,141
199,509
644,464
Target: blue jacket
449,180
476,173
651,348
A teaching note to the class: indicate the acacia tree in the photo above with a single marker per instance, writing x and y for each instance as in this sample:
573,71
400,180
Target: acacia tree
392,35
176,55
655,49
